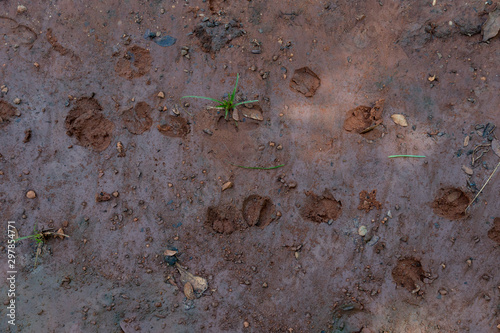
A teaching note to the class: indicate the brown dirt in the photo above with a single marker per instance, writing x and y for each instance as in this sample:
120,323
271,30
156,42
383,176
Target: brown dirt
451,203
305,81
426,62
321,208
7,112
135,62
137,119
173,126
494,233
88,125
258,211
409,274
368,201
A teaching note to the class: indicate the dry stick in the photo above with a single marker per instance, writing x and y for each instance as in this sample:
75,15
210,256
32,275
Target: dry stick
478,193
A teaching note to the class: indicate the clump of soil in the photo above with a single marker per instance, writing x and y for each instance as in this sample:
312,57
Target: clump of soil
451,203
215,5
305,81
224,220
137,119
368,201
408,273
135,63
258,211
494,233
174,127
321,208
86,122
214,35
362,118
7,112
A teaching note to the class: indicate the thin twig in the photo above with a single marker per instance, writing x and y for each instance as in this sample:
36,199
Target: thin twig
478,193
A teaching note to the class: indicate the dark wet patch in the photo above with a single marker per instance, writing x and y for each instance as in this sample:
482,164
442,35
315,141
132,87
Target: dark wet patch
87,124
451,203
305,81
137,119
321,208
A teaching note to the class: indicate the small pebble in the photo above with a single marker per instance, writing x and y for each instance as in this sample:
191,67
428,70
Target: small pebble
161,94
21,9
443,291
31,195
362,231
17,101
264,285
246,324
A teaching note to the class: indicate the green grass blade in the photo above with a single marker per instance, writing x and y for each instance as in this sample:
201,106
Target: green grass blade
235,86
416,156
258,168
246,102
202,97
25,237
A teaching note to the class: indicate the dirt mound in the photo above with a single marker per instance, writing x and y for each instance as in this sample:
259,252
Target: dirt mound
368,201
137,119
258,211
214,35
7,112
409,274
321,208
494,233
175,127
86,122
135,63
364,119
305,81
224,220
451,203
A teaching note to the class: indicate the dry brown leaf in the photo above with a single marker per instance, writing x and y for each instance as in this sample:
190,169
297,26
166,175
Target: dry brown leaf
169,253
492,25
198,283
495,146
399,119
189,291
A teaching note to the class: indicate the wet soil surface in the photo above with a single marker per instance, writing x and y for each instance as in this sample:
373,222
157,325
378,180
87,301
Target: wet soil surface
95,139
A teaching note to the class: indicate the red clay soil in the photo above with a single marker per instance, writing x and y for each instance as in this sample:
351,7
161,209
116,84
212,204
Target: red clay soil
96,139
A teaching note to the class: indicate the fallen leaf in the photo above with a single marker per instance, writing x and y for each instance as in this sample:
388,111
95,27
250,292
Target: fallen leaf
495,146
236,115
189,291
399,119
492,25
169,253
226,186
198,283
253,113
467,170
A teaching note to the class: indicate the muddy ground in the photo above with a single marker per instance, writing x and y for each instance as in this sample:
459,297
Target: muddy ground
340,239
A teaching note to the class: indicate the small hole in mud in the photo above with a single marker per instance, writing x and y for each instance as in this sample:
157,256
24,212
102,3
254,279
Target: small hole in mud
451,203
321,208
408,274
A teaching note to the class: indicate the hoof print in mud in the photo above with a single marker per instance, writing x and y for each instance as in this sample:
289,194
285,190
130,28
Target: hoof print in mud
258,211
321,208
135,63
494,233
409,274
224,220
176,127
7,112
87,124
137,119
365,120
305,81
213,36
451,203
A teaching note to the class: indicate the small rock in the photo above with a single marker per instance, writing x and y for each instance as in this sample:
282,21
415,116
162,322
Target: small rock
272,144
467,170
279,147
4,89
31,194
227,185
246,324
278,213
17,101
362,231
443,291
292,184
116,194
264,285
161,94
466,141
102,196
21,9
